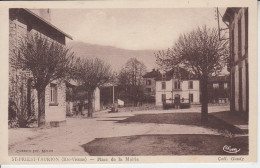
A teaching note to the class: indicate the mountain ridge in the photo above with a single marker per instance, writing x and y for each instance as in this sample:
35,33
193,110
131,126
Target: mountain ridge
114,56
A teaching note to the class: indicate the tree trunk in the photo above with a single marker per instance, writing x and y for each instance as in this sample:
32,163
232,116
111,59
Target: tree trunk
29,111
204,101
90,106
41,107
81,105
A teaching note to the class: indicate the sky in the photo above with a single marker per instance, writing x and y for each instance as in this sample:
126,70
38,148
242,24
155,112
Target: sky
132,28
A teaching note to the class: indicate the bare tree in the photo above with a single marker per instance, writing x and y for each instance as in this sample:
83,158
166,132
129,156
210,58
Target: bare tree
200,52
90,74
46,60
131,80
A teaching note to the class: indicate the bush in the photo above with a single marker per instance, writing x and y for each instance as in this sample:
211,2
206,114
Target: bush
18,117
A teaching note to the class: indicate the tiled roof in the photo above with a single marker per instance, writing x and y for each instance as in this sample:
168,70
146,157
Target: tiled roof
228,15
46,22
219,78
177,73
153,74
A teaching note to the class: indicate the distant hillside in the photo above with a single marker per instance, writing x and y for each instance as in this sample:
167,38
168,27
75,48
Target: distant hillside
116,57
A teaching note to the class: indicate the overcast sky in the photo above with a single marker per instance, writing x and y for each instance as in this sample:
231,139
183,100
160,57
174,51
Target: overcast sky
134,29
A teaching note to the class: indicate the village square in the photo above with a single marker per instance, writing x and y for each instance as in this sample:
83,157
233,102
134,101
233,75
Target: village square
140,85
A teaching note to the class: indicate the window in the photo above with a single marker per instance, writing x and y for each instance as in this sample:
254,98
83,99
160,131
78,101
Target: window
177,85
29,46
221,86
246,29
163,85
54,95
215,85
163,98
191,97
232,48
148,82
190,84
225,85
164,76
239,39
148,90
29,27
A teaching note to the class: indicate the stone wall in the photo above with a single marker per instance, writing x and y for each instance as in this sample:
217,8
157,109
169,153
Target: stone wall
56,112
239,63
18,79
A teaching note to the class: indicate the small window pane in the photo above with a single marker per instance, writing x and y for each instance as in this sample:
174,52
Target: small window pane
163,85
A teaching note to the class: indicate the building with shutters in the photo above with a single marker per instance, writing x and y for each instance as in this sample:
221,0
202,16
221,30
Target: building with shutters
219,89
177,85
237,19
150,85
22,96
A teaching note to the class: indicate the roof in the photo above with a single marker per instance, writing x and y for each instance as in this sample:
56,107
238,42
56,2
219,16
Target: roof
228,15
177,73
46,22
71,83
153,74
108,84
225,78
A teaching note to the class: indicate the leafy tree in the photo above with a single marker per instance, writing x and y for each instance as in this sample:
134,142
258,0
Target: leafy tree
46,60
131,80
200,52
90,74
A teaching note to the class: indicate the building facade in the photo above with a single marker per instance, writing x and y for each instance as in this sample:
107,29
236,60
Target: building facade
177,85
237,19
150,85
219,89
76,99
22,95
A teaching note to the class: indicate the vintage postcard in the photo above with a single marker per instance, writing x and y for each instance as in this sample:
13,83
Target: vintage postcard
133,82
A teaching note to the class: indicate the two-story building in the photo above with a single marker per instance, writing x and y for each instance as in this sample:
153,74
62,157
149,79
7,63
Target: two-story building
237,19
219,89
150,85
177,85
22,96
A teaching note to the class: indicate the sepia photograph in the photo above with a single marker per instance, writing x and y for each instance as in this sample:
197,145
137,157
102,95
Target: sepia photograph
128,82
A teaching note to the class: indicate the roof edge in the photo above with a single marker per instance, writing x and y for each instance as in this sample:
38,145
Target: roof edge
50,24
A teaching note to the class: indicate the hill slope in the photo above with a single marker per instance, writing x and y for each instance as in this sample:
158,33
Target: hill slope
116,57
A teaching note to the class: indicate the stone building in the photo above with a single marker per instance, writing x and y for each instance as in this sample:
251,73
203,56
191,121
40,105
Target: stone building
177,85
76,99
237,19
22,96
219,89
150,85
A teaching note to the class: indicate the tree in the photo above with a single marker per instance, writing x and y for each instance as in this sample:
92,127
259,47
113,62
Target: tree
131,80
46,60
200,52
90,74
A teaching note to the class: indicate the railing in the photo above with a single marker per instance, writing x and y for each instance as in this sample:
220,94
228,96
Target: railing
174,101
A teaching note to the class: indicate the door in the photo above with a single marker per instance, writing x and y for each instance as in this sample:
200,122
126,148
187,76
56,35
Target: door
177,99
163,98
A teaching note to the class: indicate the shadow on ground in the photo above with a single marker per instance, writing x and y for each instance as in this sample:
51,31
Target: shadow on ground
177,144
235,118
192,119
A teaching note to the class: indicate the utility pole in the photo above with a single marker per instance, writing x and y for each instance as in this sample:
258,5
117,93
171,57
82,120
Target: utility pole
218,24
219,28
113,93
